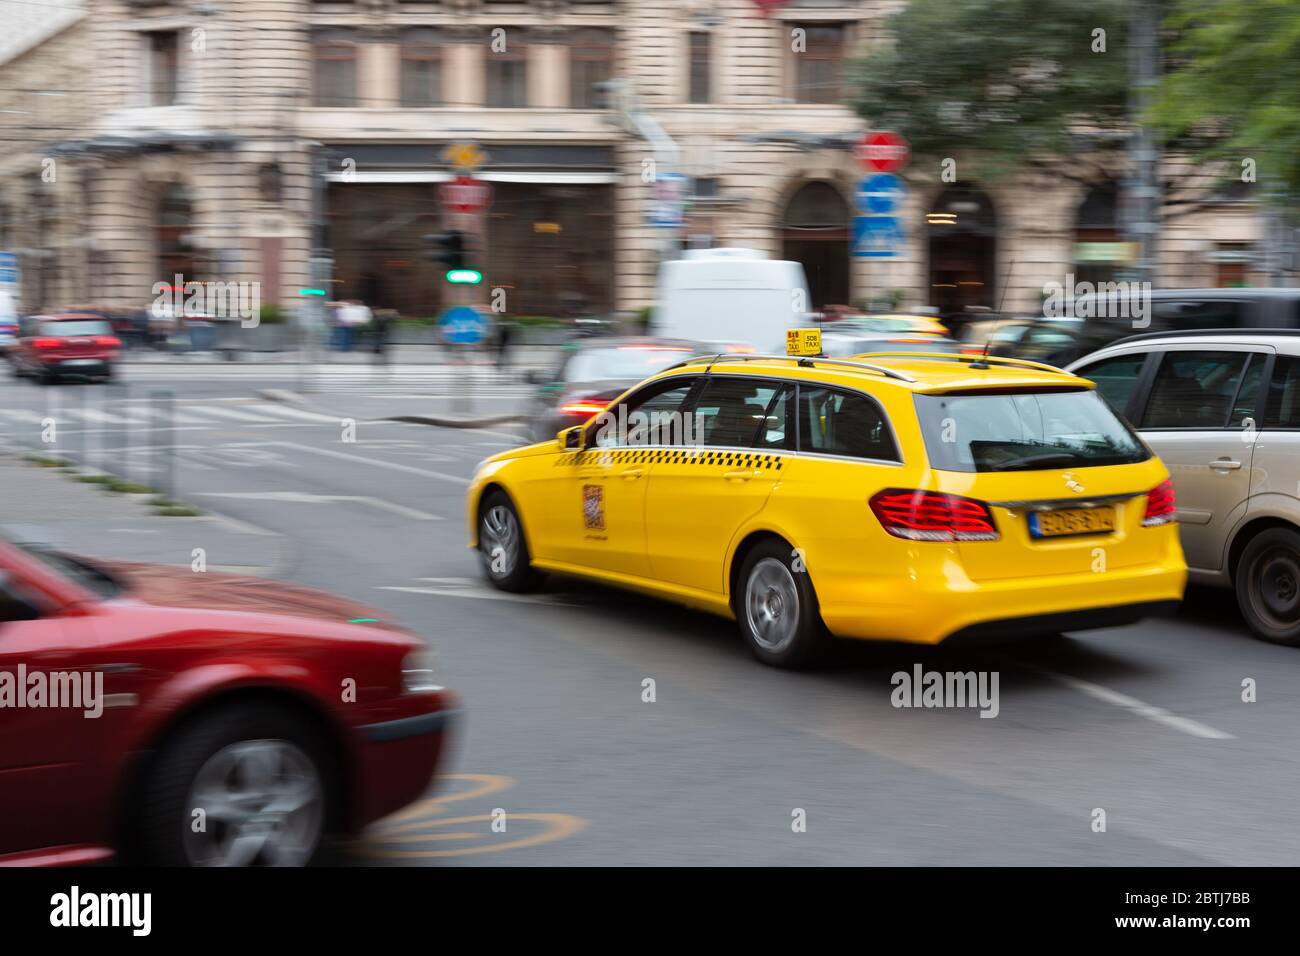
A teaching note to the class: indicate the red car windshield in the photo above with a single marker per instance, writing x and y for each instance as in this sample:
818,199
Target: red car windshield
76,327
89,576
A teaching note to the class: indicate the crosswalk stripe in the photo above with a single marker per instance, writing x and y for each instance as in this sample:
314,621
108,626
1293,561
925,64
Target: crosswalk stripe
285,411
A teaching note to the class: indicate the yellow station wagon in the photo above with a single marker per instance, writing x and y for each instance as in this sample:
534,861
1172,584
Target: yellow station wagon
900,496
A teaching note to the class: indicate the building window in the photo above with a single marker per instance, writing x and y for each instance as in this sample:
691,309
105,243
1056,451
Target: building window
591,61
507,73
164,67
421,69
701,62
334,57
819,68
175,253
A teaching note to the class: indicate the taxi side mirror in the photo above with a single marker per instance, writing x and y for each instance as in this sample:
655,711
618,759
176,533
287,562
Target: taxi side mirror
570,439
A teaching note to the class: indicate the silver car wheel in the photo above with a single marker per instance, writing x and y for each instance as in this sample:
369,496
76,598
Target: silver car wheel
500,540
262,802
772,605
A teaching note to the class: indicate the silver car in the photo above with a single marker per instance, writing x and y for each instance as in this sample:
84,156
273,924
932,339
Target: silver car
1222,410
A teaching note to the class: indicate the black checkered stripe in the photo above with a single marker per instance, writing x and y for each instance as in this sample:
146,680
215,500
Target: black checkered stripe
692,456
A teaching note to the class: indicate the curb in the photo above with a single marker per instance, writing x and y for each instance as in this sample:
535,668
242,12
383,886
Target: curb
286,397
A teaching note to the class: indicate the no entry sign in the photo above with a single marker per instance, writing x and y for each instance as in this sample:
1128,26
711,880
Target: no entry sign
465,195
883,151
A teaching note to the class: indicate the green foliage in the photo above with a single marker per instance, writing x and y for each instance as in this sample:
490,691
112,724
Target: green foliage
997,82
270,315
1231,90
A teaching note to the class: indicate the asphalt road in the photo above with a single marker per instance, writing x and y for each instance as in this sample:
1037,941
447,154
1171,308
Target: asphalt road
1145,722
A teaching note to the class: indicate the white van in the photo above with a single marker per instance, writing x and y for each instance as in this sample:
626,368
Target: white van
731,297
8,321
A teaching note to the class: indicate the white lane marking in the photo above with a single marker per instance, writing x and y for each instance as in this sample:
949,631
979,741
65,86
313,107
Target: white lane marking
286,412
19,415
391,465
482,595
1141,708
234,524
231,413
302,497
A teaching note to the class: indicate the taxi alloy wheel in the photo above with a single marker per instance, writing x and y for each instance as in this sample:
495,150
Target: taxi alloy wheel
1268,585
501,545
777,609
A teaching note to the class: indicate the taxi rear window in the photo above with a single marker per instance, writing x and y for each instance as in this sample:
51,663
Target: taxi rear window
1025,431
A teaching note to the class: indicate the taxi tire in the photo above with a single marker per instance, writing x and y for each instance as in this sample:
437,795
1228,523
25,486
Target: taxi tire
1276,549
812,641
523,576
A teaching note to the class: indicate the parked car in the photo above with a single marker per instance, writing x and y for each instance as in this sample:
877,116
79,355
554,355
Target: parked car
590,373
1222,410
53,347
225,700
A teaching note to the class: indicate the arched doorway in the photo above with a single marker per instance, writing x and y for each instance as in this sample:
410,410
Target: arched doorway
962,232
172,234
815,232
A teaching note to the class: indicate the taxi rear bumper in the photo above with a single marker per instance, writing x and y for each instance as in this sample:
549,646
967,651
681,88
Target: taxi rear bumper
931,609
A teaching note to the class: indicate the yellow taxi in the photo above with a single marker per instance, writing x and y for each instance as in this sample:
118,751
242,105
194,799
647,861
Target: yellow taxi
896,496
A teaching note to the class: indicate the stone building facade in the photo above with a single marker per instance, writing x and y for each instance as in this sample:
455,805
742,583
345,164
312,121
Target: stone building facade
189,137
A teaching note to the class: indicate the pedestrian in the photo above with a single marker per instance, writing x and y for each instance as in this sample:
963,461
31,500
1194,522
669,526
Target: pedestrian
382,323
504,333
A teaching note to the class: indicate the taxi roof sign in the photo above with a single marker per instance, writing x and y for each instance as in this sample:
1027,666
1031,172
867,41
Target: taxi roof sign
803,342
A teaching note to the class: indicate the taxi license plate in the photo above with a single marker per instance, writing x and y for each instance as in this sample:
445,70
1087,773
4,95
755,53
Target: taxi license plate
1055,524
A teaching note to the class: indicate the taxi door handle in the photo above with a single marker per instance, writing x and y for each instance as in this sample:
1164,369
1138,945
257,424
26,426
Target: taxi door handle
739,475
631,474
1225,464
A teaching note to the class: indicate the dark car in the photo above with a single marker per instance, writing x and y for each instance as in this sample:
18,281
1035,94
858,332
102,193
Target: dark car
52,347
1106,317
593,372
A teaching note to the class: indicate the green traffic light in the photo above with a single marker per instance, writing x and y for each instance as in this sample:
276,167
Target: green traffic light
464,276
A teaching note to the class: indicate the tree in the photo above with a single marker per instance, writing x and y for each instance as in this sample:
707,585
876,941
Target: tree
1004,83
1231,93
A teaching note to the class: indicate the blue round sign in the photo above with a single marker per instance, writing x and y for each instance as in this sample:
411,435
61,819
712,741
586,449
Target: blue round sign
463,325
880,194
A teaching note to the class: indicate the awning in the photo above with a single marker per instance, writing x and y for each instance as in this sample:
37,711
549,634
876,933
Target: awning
436,176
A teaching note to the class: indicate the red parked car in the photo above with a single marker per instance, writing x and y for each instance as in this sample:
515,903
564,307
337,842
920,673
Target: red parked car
51,347
202,719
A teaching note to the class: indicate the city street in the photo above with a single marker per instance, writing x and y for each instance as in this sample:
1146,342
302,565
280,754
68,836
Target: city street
1144,722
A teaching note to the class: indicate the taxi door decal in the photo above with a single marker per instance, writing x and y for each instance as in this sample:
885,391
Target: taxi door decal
593,507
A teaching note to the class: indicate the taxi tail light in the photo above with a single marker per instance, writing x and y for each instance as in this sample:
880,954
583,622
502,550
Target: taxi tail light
582,409
933,516
1160,505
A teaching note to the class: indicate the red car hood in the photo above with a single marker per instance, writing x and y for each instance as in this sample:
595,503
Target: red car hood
165,586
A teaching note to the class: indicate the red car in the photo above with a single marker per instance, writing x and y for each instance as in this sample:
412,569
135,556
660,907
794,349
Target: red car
182,718
51,347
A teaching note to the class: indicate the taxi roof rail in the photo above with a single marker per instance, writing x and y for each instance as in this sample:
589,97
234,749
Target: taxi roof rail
973,359
804,361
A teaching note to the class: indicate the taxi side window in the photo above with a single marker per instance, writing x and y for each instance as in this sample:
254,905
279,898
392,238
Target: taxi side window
776,428
731,409
659,419
832,422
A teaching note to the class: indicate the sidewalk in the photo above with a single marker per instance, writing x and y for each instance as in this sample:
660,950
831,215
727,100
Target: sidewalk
524,356
46,506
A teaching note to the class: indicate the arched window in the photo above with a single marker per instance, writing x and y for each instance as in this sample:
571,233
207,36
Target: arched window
175,216
815,232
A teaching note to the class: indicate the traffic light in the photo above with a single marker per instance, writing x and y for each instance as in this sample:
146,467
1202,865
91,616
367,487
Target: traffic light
448,248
